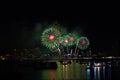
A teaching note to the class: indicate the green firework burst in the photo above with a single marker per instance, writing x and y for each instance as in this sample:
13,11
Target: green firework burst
83,43
68,39
49,38
72,38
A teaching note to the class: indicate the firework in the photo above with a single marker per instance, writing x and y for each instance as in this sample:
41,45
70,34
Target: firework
83,43
68,39
64,40
57,40
49,38
72,38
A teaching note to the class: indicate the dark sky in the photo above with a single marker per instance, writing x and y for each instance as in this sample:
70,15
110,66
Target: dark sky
101,26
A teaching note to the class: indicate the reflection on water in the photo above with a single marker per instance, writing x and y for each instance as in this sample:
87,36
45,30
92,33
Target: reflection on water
76,71
96,73
52,74
72,71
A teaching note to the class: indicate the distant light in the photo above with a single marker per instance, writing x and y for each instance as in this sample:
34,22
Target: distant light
110,57
3,58
97,64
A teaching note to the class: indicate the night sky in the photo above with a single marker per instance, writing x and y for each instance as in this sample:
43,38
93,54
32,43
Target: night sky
23,30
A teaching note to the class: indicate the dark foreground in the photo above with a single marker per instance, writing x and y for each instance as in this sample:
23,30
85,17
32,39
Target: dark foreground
32,70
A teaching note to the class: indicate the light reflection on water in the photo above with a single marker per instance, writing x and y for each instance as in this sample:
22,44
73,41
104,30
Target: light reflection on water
97,73
73,71
76,71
